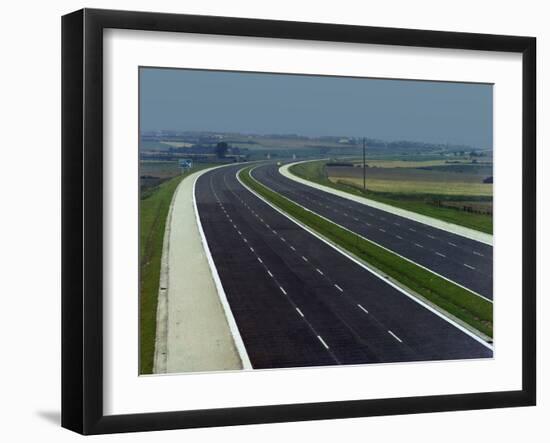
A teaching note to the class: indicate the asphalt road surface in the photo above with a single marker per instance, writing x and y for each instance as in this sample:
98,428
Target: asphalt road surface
462,260
298,302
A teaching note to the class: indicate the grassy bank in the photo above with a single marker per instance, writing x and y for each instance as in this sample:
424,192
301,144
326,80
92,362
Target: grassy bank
154,207
455,300
422,204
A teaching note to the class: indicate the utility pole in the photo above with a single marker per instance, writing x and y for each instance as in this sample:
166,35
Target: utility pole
364,168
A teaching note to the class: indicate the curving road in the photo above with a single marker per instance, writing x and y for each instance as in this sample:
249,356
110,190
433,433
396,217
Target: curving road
464,261
299,302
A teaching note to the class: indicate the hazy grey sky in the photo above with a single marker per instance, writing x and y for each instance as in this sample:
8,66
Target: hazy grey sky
435,112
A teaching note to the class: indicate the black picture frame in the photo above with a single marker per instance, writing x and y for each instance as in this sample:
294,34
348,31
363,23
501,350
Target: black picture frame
82,218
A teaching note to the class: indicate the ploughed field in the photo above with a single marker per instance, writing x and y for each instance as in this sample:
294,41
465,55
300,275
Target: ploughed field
457,179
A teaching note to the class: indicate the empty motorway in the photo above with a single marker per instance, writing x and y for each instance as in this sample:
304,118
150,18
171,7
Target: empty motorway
299,302
462,260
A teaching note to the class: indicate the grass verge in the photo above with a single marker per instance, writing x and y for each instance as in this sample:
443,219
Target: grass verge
314,171
153,211
459,302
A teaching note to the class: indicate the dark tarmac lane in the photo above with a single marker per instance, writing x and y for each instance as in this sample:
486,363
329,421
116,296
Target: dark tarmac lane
464,261
298,302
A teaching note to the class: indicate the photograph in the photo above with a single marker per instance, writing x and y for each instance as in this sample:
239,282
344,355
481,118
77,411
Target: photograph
293,220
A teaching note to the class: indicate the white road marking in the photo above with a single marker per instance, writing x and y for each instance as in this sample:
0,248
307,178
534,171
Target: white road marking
395,336
319,271
293,248
399,237
283,239
252,249
396,224
468,266
363,309
381,230
304,258
300,312
479,253
411,229
245,240
441,255
419,245
260,260
322,341
282,290
338,287
240,233
449,243
431,236
274,231
270,274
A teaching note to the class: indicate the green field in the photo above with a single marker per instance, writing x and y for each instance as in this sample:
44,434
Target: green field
461,303
154,207
436,193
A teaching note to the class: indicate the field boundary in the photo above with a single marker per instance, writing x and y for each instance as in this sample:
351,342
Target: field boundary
462,231
418,298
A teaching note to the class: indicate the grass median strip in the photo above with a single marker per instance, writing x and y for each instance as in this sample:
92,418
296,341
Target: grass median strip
461,303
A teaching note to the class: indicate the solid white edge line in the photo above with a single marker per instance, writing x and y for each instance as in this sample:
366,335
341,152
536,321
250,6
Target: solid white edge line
423,219
381,277
239,344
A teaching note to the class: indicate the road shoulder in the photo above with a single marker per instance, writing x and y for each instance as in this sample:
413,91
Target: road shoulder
193,333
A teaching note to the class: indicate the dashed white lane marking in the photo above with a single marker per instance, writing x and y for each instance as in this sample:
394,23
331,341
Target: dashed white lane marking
270,274
468,266
252,249
282,290
363,309
304,258
235,226
396,224
449,243
322,341
412,229
245,240
399,237
319,271
300,312
395,336
338,287
293,248
419,245
240,233
274,231
381,230
260,260
441,255
431,236
479,253
283,239
355,218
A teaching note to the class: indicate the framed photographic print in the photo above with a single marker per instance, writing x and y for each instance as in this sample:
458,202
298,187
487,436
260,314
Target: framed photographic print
269,221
